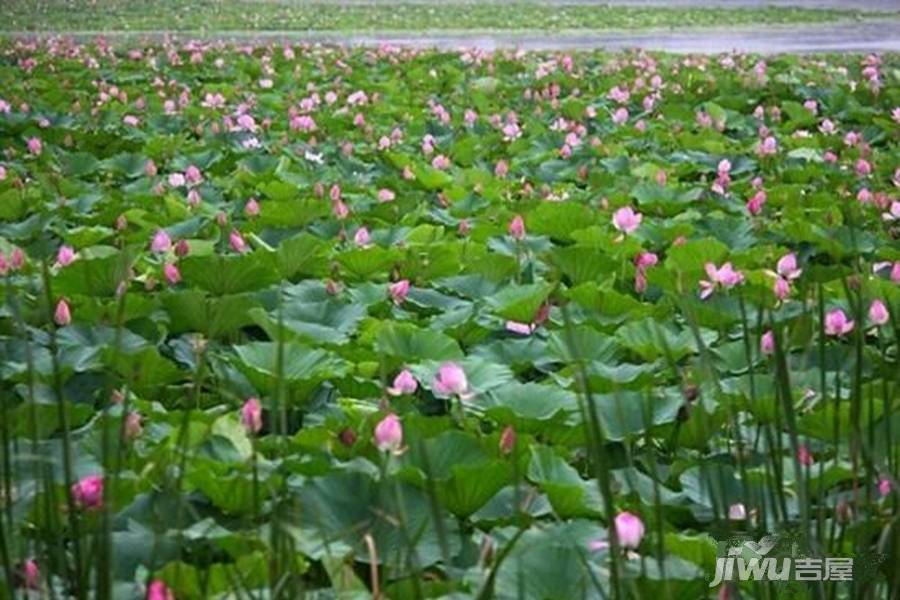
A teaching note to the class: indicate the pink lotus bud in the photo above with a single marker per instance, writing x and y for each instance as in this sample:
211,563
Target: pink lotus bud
157,590
182,248
737,512
341,211
661,177
804,456
404,383
878,313
193,198
389,434
16,258
863,168
236,241
450,380
31,575
88,492
133,428
517,228
767,343
161,242
121,223
640,282
62,315
629,530
884,487
171,273
399,290
251,415
837,323
463,228
501,169
35,146
361,237
782,288
507,440
626,219
65,256
332,288
385,195
150,168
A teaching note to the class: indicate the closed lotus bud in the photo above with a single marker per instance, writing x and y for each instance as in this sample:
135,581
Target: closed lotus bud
182,248
347,436
389,434
133,428
251,415
507,440
62,315
629,530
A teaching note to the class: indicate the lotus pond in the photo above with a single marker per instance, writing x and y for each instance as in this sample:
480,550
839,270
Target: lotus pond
283,322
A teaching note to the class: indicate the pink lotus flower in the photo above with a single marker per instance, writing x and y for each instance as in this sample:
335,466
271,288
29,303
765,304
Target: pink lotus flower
171,273
645,259
385,195
451,381
193,175
629,529
620,115
787,266
65,256
767,147
62,315
724,277
361,238
893,214
157,590
440,162
737,512
176,180
35,146
389,434
150,168
236,241
517,228
767,343
878,313
161,242
404,383
863,167
399,290
251,415
88,492
626,220
884,487
837,323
